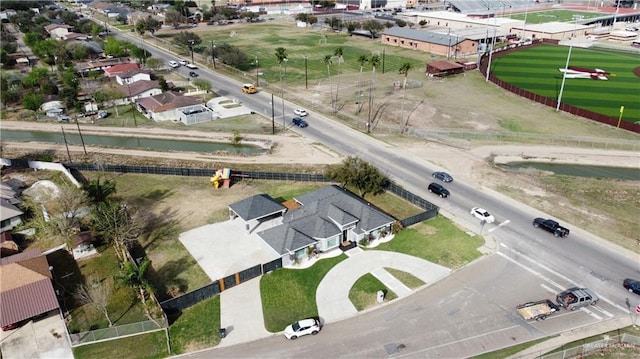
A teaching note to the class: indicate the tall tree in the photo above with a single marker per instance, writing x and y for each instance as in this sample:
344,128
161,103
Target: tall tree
338,53
174,18
353,171
404,69
96,295
98,191
374,27
375,61
327,61
136,277
117,224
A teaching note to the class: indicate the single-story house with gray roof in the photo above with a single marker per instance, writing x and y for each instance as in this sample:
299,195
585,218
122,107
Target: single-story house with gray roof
255,209
325,218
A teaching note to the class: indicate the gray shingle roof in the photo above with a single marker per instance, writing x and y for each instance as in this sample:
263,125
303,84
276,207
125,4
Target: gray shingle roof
258,206
323,214
425,36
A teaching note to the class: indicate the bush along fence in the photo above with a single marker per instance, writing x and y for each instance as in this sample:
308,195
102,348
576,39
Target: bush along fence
598,117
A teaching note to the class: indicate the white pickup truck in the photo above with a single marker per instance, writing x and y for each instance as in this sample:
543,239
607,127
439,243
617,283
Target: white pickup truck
539,310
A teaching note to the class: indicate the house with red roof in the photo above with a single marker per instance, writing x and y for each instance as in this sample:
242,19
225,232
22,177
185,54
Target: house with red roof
27,289
170,106
120,68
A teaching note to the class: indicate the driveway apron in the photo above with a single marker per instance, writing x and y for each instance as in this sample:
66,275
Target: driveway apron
332,295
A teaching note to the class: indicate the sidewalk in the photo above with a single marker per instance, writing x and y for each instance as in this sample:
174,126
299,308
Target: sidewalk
572,336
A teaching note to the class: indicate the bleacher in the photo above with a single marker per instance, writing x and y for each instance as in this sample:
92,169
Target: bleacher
481,7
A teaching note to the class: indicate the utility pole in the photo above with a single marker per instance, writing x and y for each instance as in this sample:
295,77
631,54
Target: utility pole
67,144
306,80
80,133
213,54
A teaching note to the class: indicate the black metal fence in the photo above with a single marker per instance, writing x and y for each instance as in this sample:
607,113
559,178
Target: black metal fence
178,304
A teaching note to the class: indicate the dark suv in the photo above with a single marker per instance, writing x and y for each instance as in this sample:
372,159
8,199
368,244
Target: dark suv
438,189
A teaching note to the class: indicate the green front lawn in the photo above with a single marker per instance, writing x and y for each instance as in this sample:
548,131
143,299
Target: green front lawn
196,327
438,241
145,346
364,292
290,294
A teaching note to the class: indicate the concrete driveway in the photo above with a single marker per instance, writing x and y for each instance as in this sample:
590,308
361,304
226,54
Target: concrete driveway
225,248
45,338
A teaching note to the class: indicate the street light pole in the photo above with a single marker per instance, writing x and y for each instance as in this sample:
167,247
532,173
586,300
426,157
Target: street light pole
213,54
191,42
306,82
493,42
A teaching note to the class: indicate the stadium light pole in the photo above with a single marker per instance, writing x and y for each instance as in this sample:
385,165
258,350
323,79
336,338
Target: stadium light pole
524,25
493,41
615,16
564,77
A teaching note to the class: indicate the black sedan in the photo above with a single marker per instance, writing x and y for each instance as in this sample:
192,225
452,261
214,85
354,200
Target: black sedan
299,122
193,74
631,285
442,176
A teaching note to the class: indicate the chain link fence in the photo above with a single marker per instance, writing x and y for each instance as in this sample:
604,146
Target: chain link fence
597,348
117,331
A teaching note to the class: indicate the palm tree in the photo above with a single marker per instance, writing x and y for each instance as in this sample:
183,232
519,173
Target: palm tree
404,69
136,277
99,192
327,61
375,61
281,56
338,53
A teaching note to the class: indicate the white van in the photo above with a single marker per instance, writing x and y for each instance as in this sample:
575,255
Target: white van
174,64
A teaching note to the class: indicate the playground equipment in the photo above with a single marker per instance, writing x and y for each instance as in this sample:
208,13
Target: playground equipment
223,177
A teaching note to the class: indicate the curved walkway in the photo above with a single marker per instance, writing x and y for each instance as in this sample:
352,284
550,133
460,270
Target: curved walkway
332,295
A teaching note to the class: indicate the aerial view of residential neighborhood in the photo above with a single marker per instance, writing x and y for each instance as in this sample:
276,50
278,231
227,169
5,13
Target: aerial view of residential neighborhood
324,178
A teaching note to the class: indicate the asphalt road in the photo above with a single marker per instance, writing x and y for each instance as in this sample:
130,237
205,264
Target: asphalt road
473,310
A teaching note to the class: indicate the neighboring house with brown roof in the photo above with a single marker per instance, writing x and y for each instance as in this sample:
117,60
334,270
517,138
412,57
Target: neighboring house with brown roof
133,75
141,89
120,68
100,65
26,289
134,17
169,106
58,31
322,221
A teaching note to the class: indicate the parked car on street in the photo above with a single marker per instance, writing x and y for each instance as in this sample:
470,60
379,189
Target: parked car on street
302,327
633,286
299,122
193,74
300,112
438,189
191,66
482,214
183,62
174,64
442,176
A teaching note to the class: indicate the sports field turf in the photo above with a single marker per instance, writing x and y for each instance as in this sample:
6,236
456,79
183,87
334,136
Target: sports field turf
536,70
539,17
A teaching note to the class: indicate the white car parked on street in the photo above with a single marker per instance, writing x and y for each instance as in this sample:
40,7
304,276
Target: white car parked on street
174,64
183,62
482,214
302,327
300,112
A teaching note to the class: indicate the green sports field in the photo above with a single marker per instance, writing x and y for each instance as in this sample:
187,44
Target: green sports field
540,17
536,70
